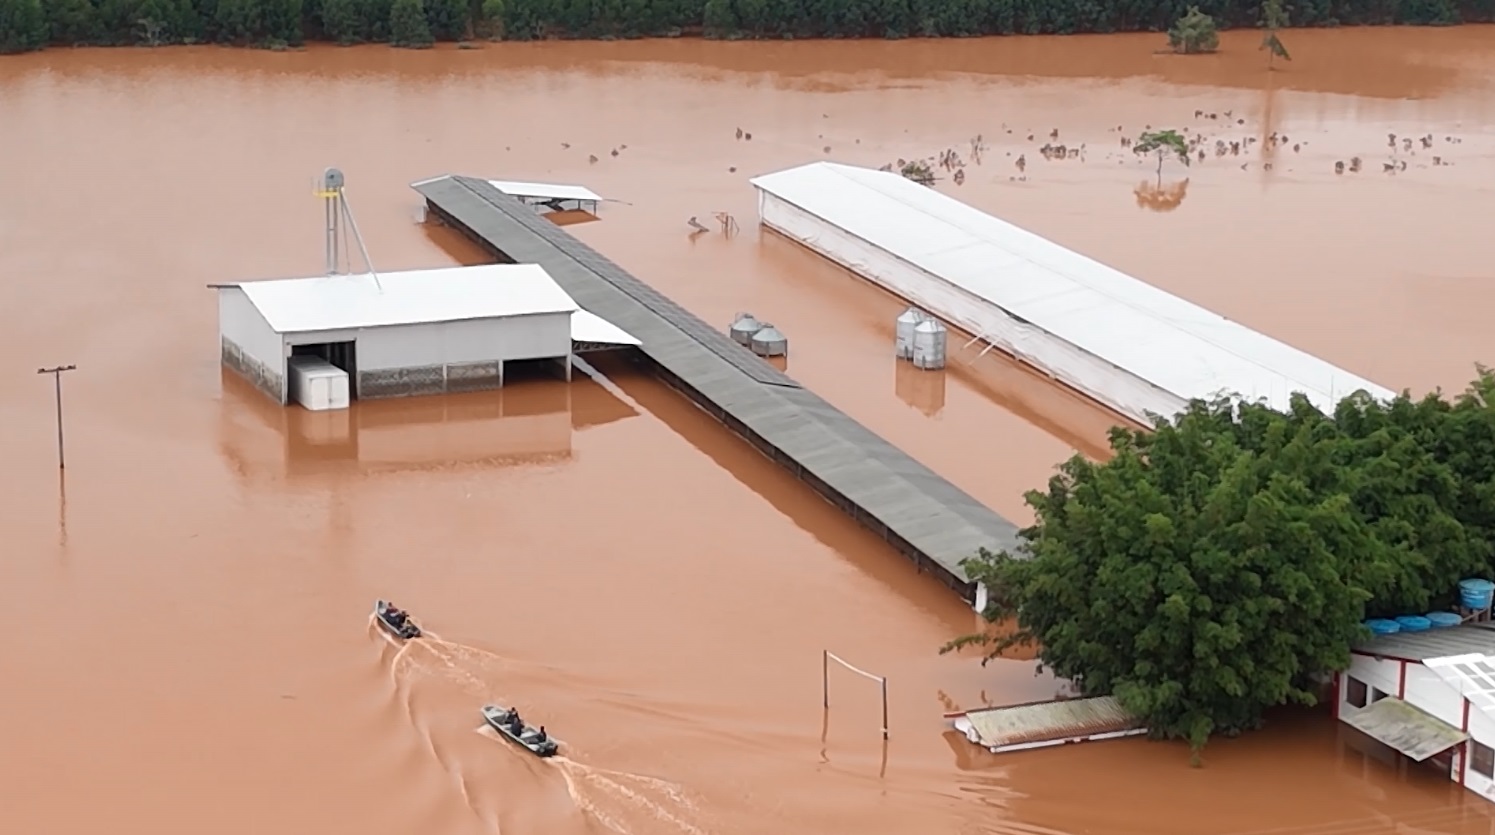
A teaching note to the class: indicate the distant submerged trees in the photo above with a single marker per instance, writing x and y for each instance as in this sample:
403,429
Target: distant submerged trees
1218,565
32,24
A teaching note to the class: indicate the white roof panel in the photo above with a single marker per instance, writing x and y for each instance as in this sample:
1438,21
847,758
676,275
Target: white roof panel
589,327
1472,675
548,191
1174,344
342,302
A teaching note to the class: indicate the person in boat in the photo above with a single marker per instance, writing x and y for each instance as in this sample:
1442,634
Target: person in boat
395,616
541,737
514,721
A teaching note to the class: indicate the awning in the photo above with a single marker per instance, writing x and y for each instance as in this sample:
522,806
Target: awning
1411,731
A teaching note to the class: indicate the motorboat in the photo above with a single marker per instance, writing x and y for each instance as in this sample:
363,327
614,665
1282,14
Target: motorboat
510,727
394,621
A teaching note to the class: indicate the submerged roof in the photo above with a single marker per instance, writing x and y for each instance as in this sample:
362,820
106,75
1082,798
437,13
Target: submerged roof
1432,643
343,302
1174,344
548,191
997,727
589,327
1407,729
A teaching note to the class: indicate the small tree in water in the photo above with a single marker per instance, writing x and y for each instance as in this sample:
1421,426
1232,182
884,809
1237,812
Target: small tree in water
1194,33
1273,17
1164,143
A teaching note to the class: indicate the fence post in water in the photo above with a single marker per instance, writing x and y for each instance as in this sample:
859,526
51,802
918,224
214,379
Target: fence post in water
884,708
56,373
825,679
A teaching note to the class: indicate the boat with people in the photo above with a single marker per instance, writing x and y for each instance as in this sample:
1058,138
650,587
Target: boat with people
511,726
395,621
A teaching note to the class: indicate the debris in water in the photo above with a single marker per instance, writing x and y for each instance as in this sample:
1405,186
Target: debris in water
739,133
1391,141
615,152
1354,165
731,169
748,137
696,226
1022,163
826,149
592,158
960,177
1339,167
1054,134
566,145
1296,147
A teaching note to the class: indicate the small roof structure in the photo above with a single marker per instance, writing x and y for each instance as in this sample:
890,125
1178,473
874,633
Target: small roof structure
1432,643
1412,732
546,191
1051,722
589,327
344,302
1472,675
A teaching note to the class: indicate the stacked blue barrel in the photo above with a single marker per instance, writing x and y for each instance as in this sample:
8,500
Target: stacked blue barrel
1474,595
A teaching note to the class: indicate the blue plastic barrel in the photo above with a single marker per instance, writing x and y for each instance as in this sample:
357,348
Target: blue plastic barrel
1382,626
1476,593
1443,620
1414,623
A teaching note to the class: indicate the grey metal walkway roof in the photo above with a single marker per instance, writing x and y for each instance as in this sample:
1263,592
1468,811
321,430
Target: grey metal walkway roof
1433,643
887,487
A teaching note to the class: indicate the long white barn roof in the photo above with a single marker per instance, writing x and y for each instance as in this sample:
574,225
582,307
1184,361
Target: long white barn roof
344,302
1174,344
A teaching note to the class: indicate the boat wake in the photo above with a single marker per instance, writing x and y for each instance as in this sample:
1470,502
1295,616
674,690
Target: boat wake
440,684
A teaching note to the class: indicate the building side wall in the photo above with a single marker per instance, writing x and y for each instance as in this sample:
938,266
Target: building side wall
1091,375
1425,690
249,346
1482,730
447,357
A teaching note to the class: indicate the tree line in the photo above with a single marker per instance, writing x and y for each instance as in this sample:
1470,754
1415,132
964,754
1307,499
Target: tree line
1222,563
34,24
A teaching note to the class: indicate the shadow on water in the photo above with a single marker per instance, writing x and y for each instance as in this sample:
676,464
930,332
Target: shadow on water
531,421
439,684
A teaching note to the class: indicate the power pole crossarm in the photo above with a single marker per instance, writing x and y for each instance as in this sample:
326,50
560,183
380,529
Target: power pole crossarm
56,372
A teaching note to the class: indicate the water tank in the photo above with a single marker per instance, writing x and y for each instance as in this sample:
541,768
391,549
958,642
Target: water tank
743,328
1476,593
929,344
1443,620
768,342
903,346
1414,623
1382,626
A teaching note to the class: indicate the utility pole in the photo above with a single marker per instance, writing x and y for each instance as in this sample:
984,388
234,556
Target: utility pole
57,380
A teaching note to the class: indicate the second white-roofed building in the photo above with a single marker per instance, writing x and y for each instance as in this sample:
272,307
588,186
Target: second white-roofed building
1131,346
322,341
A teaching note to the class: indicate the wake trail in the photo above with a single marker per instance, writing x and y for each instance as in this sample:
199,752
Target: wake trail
587,785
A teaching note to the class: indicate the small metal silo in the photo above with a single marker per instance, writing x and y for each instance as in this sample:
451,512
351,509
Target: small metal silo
929,344
768,342
743,328
903,346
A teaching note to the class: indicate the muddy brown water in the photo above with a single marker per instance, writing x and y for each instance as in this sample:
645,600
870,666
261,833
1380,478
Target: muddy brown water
189,648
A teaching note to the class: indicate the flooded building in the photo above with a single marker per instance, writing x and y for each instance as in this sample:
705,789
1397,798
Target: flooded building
406,333
1042,724
1124,343
1430,697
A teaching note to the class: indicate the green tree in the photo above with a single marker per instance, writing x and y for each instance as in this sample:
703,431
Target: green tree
448,20
71,21
1195,579
1195,33
407,25
342,21
1274,16
1163,143
490,20
23,26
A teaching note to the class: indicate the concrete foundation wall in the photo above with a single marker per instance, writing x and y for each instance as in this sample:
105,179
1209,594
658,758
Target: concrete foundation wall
429,379
260,375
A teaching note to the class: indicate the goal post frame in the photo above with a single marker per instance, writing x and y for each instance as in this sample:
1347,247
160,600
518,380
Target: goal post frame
826,656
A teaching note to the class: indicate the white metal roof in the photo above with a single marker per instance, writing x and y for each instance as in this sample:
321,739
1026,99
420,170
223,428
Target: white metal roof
548,191
1472,675
342,302
589,327
1172,343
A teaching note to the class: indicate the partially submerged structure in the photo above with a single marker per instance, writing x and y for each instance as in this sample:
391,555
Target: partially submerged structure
549,197
1042,724
407,333
1430,698
1130,346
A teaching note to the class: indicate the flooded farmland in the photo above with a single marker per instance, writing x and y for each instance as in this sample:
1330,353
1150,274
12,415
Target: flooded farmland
190,648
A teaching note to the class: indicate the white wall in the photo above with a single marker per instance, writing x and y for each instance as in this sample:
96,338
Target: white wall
240,322
539,336
1091,375
1482,729
1425,690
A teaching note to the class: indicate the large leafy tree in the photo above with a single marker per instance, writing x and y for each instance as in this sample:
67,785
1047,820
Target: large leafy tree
1215,565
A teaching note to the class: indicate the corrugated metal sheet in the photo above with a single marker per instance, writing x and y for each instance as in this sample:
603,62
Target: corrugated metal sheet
1434,643
1049,721
1173,344
1411,731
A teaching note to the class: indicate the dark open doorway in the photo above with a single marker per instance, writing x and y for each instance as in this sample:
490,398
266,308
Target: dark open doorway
344,355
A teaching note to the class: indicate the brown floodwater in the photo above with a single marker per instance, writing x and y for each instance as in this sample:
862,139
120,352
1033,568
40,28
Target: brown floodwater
190,648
